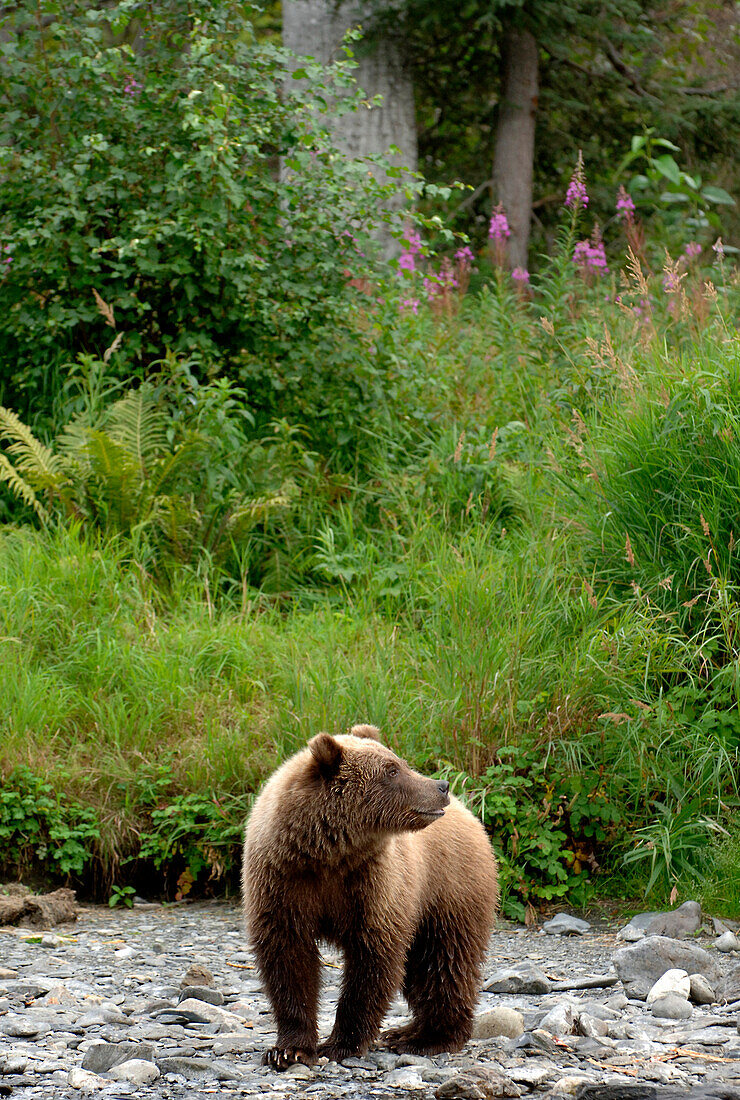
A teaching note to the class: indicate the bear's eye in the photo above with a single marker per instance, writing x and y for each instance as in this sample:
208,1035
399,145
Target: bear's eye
391,770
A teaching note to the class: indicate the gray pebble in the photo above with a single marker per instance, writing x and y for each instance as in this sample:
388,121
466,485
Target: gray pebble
671,1007
563,924
201,993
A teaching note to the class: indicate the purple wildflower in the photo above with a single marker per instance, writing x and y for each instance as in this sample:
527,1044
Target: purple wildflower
132,87
412,241
520,276
431,287
464,256
498,230
625,205
576,195
409,305
692,250
590,256
719,249
5,260
446,275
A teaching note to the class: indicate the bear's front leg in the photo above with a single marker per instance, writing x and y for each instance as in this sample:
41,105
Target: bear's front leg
372,974
289,968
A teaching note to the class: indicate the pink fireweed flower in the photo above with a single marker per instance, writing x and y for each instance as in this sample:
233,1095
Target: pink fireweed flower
719,249
520,276
590,257
692,250
625,205
576,195
409,305
5,259
412,241
132,87
464,256
498,230
447,275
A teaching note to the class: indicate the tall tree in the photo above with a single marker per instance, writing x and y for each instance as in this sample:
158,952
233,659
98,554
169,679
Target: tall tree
513,165
316,28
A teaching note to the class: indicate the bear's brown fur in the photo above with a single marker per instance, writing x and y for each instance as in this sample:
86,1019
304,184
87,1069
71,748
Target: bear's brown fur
346,843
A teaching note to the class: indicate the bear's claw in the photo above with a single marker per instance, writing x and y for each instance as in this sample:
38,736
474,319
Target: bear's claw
282,1058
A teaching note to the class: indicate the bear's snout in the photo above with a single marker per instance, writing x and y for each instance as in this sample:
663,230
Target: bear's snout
444,788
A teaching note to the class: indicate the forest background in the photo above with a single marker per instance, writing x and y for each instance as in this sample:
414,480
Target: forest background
293,436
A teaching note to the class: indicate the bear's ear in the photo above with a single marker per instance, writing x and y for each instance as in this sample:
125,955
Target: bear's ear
371,732
326,752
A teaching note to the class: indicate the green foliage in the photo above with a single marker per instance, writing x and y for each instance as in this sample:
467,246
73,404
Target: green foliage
657,513
469,593
547,823
671,844
682,200
122,895
173,469
39,825
151,216
194,834
600,81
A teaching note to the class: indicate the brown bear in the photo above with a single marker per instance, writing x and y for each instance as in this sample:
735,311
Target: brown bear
346,843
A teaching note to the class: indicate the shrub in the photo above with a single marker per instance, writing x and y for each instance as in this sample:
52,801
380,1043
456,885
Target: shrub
40,827
142,209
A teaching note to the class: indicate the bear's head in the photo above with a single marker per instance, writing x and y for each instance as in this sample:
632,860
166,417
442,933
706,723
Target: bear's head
374,791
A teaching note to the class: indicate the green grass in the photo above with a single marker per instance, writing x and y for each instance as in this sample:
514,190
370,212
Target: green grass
471,594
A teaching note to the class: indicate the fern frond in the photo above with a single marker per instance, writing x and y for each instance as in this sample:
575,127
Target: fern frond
166,472
40,466
138,425
115,480
21,488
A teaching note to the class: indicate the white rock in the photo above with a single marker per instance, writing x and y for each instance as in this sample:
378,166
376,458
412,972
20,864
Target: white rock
630,934
499,1021
406,1078
81,1079
673,981
728,941
136,1071
591,1026
569,1086
213,1013
563,924
560,1020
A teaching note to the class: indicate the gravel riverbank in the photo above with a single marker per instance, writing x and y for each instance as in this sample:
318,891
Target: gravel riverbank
70,999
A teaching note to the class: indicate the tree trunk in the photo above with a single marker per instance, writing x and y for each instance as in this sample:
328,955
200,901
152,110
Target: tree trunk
513,161
314,28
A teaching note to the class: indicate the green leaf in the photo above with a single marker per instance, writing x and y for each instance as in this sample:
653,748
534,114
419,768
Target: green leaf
717,195
667,167
664,143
